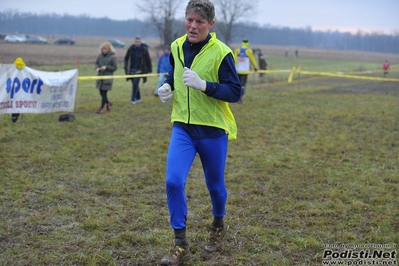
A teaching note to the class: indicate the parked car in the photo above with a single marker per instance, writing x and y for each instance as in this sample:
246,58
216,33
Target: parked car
37,39
15,38
69,41
116,43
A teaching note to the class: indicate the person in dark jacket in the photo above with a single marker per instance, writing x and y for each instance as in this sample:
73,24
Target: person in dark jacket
262,63
106,65
137,61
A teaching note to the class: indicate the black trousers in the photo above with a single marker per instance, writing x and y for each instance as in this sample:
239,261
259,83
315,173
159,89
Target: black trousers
104,98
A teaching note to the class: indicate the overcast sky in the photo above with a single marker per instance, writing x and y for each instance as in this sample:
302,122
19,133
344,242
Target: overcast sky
343,15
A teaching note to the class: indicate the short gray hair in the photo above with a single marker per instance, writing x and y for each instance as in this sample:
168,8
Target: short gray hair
204,8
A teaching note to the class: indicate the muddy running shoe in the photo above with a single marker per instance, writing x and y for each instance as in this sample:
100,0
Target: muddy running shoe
215,239
100,111
179,253
109,106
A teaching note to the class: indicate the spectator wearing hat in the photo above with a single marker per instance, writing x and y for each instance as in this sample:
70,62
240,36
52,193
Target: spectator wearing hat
163,67
244,58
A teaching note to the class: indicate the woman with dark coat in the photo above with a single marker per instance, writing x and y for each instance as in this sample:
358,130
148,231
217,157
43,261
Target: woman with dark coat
137,61
106,65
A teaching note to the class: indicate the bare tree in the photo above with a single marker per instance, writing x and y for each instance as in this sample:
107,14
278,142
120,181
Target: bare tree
229,12
161,14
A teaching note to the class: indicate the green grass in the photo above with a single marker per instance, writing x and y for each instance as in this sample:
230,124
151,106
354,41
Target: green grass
349,67
310,167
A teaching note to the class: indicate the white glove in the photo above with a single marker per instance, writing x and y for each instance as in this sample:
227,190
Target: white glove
165,93
191,79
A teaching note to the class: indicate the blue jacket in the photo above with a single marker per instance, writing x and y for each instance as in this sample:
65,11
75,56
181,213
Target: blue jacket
164,63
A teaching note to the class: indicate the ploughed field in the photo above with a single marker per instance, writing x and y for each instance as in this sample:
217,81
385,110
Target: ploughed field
86,49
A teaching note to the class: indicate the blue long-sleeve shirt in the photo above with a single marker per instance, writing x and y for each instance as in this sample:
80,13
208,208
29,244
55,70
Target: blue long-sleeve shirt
227,89
163,63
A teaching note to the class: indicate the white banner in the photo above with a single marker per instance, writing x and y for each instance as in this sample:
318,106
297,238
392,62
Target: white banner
33,91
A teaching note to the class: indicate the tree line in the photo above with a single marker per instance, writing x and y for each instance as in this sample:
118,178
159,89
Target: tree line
54,24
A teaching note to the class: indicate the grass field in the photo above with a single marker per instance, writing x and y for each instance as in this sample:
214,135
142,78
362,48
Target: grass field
315,163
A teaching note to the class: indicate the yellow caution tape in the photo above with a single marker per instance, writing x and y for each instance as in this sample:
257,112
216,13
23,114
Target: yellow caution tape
20,64
290,77
117,77
271,71
341,75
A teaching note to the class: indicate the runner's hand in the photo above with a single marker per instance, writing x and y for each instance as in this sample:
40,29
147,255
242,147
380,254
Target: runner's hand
191,79
165,93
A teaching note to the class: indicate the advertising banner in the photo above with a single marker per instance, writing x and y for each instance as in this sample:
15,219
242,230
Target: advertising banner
28,90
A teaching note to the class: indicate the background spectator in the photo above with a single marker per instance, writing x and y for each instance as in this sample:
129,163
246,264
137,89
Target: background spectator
106,65
137,61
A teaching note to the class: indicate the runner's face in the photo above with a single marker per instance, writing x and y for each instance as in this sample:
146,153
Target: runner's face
197,28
